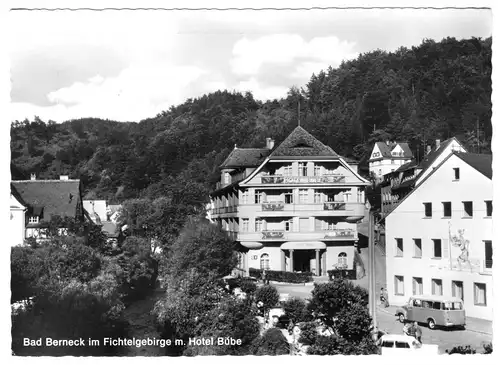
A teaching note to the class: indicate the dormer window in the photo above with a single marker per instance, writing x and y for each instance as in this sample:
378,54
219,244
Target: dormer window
33,219
227,178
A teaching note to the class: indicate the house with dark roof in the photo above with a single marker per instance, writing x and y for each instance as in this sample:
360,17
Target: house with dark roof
398,183
387,157
439,238
290,207
44,199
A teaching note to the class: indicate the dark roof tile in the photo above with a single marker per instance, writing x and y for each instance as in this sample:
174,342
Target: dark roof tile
302,143
480,162
55,197
245,157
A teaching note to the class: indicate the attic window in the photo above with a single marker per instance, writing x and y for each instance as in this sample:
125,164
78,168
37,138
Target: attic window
33,219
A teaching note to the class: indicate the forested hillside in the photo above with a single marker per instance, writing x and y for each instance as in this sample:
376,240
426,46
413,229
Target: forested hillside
433,91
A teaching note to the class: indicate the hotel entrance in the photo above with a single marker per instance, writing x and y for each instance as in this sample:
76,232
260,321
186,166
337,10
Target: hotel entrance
304,257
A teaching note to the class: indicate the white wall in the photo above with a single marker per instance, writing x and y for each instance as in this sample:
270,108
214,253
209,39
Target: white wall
453,146
17,226
407,222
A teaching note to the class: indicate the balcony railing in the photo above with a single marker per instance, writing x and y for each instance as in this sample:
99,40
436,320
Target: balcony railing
340,233
223,210
325,179
273,206
271,235
334,206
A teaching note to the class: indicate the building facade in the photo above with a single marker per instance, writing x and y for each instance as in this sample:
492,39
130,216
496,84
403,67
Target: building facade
400,182
18,208
439,238
291,208
387,157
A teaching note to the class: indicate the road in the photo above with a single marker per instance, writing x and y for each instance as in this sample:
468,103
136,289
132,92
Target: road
445,339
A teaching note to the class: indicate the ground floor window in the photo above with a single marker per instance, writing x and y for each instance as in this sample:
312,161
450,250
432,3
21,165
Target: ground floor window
479,294
342,259
264,261
457,289
437,287
417,286
399,285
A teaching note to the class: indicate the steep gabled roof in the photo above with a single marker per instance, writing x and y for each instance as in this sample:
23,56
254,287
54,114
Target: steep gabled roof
16,195
245,157
480,162
431,157
406,149
384,149
53,197
301,143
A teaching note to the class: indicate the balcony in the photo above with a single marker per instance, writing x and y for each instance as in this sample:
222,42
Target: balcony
280,209
225,210
272,206
291,180
339,234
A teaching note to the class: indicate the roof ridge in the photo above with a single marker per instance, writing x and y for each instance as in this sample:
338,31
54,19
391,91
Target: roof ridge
52,180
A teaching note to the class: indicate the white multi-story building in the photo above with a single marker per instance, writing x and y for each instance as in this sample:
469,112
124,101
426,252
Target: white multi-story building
439,237
387,157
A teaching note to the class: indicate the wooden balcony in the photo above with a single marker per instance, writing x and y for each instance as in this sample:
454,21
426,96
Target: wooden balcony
273,206
225,210
292,180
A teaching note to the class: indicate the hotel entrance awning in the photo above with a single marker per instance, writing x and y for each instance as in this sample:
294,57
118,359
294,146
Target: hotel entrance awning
303,245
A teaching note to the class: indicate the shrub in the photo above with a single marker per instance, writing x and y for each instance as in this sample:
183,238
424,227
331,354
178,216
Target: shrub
283,276
342,274
332,345
272,342
268,295
463,350
488,348
296,310
308,333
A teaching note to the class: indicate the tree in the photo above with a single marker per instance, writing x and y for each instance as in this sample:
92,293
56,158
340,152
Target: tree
272,342
267,295
202,246
296,310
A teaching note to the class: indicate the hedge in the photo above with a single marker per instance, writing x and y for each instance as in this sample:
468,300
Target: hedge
283,276
345,274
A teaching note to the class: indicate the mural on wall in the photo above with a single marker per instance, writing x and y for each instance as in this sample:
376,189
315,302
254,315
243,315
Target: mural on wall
460,260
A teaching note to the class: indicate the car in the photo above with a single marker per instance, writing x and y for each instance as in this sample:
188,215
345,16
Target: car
433,310
398,345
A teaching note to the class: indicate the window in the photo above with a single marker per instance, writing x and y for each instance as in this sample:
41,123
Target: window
33,219
287,170
317,197
399,247
389,344
456,172
489,208
468,209
447,209
317,170
437,248
402,345
259,197
417,303
479,294
244,197
437,287
244,224
437,305
417,247
303,196
258,225
418,288
302,169
342,259
227,178
264,261
399,285
428,209
289,225
488,255
289,198
457,289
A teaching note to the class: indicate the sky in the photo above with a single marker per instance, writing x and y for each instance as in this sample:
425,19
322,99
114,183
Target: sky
131,65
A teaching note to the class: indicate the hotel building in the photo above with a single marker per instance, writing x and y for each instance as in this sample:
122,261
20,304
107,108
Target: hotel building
292,207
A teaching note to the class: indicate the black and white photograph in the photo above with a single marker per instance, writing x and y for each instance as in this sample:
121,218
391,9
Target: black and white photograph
246,179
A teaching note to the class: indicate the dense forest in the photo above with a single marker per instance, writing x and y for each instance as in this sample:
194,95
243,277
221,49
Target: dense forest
433,91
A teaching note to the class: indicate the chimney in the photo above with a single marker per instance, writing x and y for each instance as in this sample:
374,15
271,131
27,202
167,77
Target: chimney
63,177
33,176
438,143
428,149
269,143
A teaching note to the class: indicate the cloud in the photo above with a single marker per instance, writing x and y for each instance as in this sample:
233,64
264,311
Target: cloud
250,55
260,91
